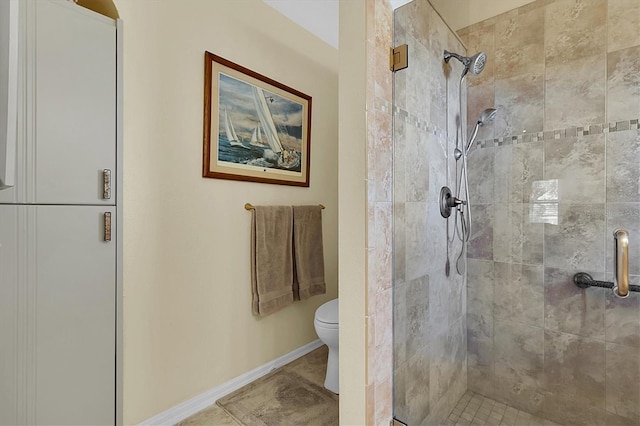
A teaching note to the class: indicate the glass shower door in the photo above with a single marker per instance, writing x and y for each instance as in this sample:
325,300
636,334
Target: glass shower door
550,180
429,296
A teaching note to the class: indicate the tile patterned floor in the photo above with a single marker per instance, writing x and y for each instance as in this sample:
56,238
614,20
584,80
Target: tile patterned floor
477,410
311,366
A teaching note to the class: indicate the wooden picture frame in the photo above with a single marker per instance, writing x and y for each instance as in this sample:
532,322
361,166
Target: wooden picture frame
255,129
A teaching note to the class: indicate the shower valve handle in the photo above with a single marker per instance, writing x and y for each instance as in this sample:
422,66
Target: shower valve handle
448,202
455,202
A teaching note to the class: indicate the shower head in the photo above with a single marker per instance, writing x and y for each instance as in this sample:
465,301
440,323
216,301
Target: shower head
485,117
474,64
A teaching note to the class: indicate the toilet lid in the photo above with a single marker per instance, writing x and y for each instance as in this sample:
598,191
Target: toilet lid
328,312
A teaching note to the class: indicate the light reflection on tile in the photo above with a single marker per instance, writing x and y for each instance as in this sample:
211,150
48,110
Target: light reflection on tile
545,190
544,213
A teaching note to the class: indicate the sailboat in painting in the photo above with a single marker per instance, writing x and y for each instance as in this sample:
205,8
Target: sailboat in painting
286,158
230,132
256,138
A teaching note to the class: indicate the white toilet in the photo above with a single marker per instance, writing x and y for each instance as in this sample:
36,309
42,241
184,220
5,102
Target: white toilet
326,324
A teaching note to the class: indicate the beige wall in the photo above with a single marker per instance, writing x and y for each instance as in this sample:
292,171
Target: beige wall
188,325
353,212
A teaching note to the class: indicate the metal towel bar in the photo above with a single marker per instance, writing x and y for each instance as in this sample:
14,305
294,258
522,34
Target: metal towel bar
249,206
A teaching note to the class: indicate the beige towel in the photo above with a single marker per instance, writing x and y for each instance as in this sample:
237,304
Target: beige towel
271,258
308,252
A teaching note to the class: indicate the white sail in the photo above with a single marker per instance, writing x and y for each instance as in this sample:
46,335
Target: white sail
233,132
228,128
256,138
232,137
266,121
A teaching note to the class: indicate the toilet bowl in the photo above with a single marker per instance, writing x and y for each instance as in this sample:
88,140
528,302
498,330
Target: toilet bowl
326,324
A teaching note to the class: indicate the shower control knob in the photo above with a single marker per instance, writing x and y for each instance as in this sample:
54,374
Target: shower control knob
447,202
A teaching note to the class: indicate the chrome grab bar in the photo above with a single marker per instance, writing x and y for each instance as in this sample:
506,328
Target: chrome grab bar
621,263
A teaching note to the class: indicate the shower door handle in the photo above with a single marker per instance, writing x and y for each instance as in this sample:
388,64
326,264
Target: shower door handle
621,288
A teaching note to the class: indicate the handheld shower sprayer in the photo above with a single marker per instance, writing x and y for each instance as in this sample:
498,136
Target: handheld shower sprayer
486,116
474,64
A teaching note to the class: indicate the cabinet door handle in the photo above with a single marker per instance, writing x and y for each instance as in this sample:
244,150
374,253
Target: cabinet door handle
107,226
106,184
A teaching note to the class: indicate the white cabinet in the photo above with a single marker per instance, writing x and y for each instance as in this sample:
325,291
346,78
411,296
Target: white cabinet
60,281
75,117
58,305
75,324
67,105
8,90
11,298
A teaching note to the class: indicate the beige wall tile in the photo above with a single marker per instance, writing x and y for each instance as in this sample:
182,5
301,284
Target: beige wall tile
575,93
623,24
574,29
520,102
623,84
482,40
519,43
623,381
384,401
481,97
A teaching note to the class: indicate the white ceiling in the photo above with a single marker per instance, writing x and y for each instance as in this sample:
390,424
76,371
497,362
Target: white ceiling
320,17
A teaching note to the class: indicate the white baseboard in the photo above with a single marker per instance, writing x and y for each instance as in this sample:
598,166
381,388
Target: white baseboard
198,403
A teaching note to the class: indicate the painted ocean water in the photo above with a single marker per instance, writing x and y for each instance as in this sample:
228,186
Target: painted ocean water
249,155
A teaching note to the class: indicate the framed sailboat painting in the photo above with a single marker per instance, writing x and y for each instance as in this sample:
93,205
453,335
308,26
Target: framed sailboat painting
255,128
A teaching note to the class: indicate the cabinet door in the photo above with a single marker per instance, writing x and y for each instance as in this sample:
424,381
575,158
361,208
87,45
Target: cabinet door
57,315
9,290
75,138
75,276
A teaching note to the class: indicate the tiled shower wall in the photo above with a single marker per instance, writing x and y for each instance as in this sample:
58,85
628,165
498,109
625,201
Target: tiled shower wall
430,314
554,175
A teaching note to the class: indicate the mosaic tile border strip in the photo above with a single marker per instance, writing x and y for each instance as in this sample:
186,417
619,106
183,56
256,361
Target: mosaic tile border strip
595,129
421,124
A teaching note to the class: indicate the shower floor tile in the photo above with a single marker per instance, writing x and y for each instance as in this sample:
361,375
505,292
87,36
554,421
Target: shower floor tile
477,410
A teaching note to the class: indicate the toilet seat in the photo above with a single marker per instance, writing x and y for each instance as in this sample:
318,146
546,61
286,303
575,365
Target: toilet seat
327,314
